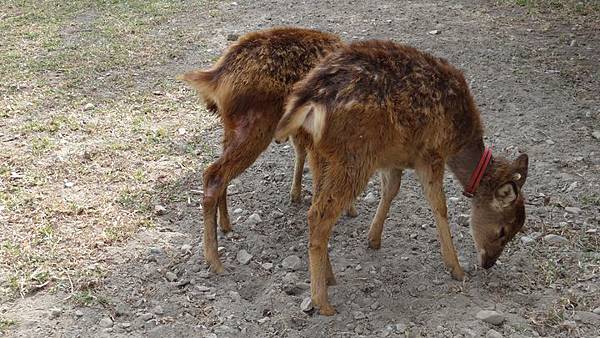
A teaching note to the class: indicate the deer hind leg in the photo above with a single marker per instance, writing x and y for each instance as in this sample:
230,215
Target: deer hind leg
339,187
240,149
390,184
318,164
223,218
431,175
300,150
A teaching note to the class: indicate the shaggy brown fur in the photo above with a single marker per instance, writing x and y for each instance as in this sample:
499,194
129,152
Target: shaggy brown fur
247,87
378,105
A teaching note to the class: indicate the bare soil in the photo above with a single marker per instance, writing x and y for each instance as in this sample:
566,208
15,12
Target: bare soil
534,71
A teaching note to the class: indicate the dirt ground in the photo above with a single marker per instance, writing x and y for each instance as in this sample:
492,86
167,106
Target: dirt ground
102,152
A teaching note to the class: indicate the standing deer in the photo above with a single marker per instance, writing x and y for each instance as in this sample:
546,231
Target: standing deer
247,88
378,105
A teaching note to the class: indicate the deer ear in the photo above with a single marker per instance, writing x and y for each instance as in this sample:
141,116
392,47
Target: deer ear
520,166
506,194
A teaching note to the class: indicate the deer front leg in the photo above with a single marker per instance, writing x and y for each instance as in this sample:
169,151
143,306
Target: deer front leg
431,176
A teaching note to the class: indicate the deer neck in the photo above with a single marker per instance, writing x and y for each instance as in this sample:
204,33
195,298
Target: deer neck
466,159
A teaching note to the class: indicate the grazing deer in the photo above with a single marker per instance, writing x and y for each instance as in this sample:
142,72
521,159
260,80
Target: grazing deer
378,105
247,88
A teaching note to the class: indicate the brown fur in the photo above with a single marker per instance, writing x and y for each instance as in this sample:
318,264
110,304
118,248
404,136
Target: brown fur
247,87
377,105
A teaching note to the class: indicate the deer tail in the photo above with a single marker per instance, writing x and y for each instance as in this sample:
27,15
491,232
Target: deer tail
301,112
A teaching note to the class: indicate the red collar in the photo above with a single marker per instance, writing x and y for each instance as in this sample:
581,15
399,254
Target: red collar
477,174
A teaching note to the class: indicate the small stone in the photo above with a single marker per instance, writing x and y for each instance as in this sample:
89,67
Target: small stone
210,335
89,106
146,316
306,305
573,43
171,277
596,134
434,32
125,325
106,322
263,320
277,214
463,220
400,327
527,240
596,310
358,267
121,309
69,184
160,210
155,251
453,199
253,219
375,306
573,210
492,317
186,248
550,142
267,266
358,315
78,313
232,37
55,312
493,334
158,310
370,198
243,257
587,317
238,211
553,239
202,288
291,262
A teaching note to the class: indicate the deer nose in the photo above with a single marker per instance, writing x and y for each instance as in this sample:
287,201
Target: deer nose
488,262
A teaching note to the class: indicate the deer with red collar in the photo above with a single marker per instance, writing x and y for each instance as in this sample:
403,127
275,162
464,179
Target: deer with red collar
381,106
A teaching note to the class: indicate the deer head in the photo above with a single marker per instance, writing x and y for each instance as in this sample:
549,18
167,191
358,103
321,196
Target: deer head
498,209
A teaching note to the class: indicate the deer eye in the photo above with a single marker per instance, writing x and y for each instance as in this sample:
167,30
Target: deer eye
501,233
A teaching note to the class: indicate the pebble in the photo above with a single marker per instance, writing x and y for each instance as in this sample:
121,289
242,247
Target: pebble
186,248
238,211
573,210
527,240
277,214
69,184
492,317
453,199
306,305
202,288
89,106
263,320
78,313
596,134
158,310
291,262
358,315
121,309
267,266
463,220
55,312
253,219
171,277
106,322
155,251
596,310
160,210
586,317
232,37
370,198
243,257
550,142
434,32
210,335
146,316
553,239
125,325
493,334
224,331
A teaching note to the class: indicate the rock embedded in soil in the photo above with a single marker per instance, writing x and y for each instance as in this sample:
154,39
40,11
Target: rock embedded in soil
243,257
171,277
78,313
291,262
586,317
306,305
463,220
358,315
253,219
158,310
596,134
277,214
527,240
267,266
106,323
55,312
232,37
493,334
186,248
160,210
489,316
370,198
573,210
553,239
596,310
146,316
